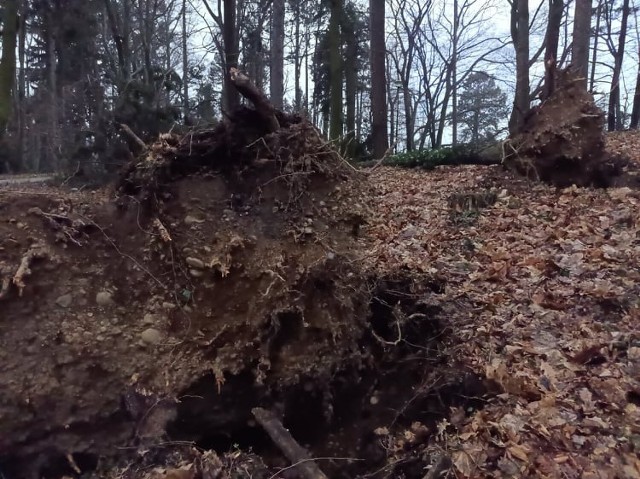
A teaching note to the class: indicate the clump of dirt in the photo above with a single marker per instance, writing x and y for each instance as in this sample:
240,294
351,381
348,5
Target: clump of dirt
563,142
226,274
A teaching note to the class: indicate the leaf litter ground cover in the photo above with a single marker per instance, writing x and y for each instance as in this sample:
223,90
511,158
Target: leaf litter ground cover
481,325
542,287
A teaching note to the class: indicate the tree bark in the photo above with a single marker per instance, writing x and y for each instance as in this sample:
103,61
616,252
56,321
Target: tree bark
454,73
520,36
185,65
231,100
581,40
335,70
635,111
8,62
594,56
614,120
277,54
552,38
378,81
350,74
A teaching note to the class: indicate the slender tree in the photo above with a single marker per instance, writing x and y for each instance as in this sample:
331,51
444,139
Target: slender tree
335,70
8,61
378,81
552,38
231,98
581,40
277,53
614,115
520,36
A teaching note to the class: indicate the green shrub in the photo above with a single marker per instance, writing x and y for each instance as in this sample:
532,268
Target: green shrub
429,159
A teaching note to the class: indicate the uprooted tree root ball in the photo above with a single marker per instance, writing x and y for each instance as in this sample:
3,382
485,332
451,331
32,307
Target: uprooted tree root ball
228,274
562,142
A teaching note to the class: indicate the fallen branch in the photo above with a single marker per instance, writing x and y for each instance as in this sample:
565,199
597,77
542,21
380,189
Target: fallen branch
260,101
305,466
139,146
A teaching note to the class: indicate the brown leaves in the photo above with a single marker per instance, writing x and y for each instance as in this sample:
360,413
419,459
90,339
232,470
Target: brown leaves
539,292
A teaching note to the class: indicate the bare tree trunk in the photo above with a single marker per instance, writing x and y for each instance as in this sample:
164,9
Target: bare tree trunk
454,74
8,62
552,38
277,54
231,98
581,40
185,65
52,133
594,57
391,102
22,83
350,76
635,111
335,70
614,120
378,81
520,36
297,56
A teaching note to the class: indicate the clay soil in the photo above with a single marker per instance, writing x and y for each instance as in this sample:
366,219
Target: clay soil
461,322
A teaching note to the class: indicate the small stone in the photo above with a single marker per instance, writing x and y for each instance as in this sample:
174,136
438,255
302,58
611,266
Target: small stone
168,306
196,273
195,263
308,230
275,209
103,298
64,301
151,336
322,203
149,318
191,220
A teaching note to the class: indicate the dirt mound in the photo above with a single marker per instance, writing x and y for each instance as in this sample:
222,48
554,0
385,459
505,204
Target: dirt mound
227,274
563,141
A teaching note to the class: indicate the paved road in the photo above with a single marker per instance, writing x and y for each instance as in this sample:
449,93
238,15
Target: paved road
20,179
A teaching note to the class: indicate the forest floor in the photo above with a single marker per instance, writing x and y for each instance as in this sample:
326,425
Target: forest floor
504,342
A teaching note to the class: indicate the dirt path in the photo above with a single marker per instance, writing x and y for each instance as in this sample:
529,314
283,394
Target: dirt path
24,179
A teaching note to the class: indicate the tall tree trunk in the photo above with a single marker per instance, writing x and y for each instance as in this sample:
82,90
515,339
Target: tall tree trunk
552,38
614,120
52,133
231,98
390,106
378,81
297,56
581,40
8,62
406,104
635,111
335,70
350,74
454,73
594,56
185,65
520,36
22,82
277,54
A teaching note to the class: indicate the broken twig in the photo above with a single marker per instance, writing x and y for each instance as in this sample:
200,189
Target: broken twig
306,467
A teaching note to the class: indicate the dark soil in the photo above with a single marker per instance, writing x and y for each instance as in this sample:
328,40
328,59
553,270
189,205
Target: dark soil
224,272
563,143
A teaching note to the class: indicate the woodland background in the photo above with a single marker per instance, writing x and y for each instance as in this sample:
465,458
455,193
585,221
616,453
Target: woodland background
397,75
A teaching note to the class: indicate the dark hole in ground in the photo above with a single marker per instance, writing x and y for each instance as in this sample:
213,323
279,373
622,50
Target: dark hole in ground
336,417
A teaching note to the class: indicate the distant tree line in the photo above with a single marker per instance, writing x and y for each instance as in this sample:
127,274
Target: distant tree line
388,76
